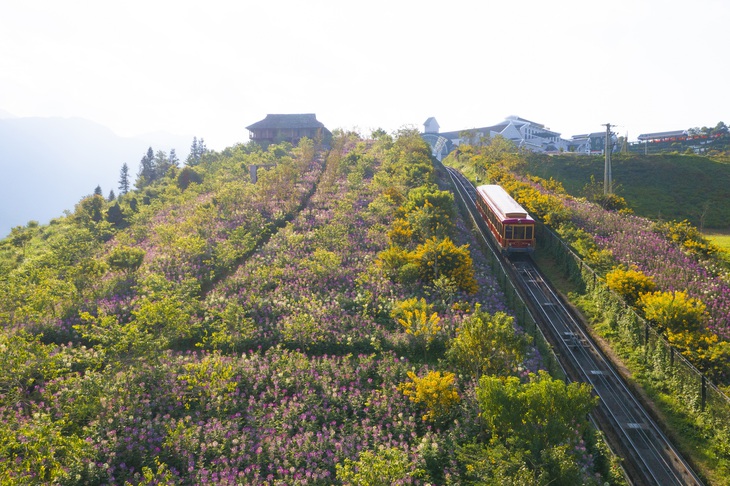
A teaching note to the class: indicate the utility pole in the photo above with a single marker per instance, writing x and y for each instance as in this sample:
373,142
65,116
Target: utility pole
607,182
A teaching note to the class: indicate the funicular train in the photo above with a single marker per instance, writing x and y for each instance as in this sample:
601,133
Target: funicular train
513,230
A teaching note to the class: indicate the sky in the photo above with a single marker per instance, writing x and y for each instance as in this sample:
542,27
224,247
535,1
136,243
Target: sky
209,69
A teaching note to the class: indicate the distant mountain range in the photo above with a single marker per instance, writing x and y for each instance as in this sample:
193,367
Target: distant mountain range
47,165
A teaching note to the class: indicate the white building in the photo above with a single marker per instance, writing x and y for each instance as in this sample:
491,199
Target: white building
525,134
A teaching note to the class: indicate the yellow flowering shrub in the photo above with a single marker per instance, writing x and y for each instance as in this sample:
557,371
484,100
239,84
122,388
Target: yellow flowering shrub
673,311
629,284
436,391
436,258
401,233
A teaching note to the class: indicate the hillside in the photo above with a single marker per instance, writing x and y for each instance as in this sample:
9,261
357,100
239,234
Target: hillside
49,164
668,187
333,323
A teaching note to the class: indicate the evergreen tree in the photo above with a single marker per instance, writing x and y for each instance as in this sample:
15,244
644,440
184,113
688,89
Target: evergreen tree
147,173
192,156
97,191
197,150
115,216
161,164
112,196
173,160
124,179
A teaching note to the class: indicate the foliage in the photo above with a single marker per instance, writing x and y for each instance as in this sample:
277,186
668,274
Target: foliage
686,235
401,234
629,284
441,258
188,176
39,452
125,258
436,391
674,312
383,467
488,344
594,192
424,326
543,420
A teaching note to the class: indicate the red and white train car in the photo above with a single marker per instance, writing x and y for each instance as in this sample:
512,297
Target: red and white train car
512,228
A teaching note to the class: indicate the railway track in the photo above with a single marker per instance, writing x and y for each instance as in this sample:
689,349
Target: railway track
649,457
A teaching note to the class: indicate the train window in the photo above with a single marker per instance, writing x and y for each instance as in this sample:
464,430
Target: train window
528,232
508,231
519,232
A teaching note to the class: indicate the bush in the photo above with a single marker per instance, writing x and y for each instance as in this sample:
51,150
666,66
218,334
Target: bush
437,258
629,284
126,258
188,176
384,467
488,344
435,391
674,312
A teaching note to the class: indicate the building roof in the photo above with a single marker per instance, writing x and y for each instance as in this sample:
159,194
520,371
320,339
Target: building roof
520,119
652,136
304,120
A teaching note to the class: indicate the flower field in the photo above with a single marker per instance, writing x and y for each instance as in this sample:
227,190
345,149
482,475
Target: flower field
231,333
633,243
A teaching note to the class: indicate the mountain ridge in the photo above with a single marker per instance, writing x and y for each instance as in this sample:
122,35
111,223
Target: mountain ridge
50,163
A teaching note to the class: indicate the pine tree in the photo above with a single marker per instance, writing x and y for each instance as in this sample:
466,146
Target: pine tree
112,196
97,191
147,173
161,163
173,160
193,155
124,179
197,150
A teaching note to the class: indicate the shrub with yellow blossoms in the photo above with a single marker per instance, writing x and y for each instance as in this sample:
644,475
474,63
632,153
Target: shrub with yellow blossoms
436,391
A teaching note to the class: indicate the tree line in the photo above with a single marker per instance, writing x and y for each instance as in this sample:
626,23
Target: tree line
154,166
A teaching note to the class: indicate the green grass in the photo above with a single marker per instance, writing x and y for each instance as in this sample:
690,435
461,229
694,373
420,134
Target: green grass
722,241
669,187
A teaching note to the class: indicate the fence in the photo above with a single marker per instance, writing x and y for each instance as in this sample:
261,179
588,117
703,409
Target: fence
661,363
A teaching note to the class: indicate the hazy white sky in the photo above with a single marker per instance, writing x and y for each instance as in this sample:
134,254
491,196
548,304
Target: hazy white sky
211,68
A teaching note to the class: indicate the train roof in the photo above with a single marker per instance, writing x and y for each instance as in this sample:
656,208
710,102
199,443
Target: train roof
502,203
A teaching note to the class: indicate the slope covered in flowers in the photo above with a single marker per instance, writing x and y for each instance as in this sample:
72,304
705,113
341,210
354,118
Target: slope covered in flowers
235,333
634,243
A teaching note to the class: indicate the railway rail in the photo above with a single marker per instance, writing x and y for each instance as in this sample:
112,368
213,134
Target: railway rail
649,457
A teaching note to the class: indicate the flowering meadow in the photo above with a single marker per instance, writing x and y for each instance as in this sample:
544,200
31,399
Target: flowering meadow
634,243
223,332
